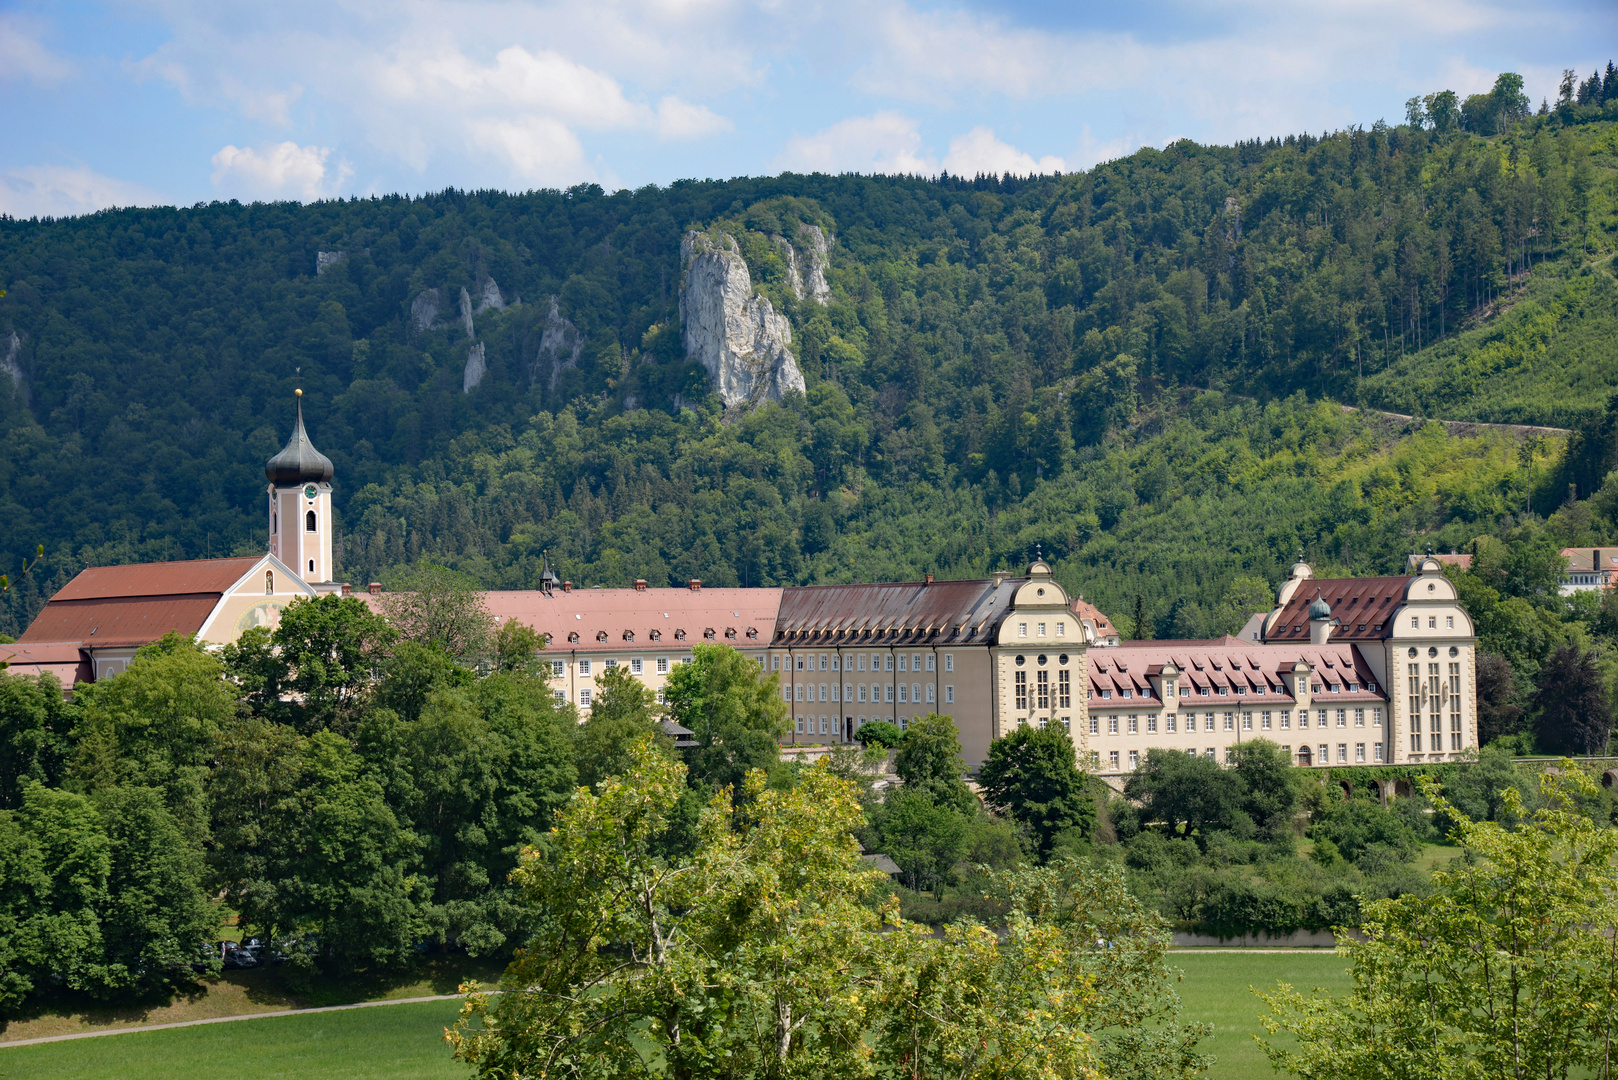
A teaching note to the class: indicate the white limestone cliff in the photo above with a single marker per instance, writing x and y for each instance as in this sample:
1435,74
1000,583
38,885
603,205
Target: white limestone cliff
794,278
466,313
738,337
817,249
559,348
475,368
490,297
327,260
424,310
9,365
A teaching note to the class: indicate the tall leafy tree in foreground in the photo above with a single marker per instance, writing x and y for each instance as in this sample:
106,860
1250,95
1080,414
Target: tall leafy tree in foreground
1507,970
757,956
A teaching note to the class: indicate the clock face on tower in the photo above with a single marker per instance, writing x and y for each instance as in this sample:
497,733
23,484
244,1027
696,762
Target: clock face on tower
310,492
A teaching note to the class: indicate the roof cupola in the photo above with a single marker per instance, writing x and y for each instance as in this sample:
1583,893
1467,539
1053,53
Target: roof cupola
298,462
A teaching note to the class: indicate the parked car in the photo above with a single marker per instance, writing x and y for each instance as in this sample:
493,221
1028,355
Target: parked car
237,957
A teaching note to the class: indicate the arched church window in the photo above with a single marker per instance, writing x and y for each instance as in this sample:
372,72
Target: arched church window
311,566
269,583
309,522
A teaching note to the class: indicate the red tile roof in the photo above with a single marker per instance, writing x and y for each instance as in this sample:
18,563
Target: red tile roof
119,621
1088,611
1364,606
622,620
157,579
1589,559
59,658
1263,670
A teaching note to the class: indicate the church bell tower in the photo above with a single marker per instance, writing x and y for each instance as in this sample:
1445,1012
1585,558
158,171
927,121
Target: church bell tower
300,507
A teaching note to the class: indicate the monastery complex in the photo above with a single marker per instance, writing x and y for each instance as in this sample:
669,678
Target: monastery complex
1340,671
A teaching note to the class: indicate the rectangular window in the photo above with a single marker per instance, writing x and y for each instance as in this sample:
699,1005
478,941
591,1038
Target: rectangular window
1415,742
915,693
1061,629
584,667
887,693
862,661
1415,622
1134,759
1095,724
1449,622
1324,757
1210,753
1432,622
1151,724
1286,719
584,698
1247,721
1376,717
834,663
822,661
1113,757
799,689
823,725
786,693
797,723
561,697
1264,719
663,664
1041,629
1455,684
775,663
1342,753
1342,717
1359,751
1042,685
1376,751
929,693
835,696
902,699
931,664
1112,725
949,661
887,662
902,663
1134,725
1320,718
1171,722
634,666
1230,755
1022,629
558,668
1067,724
1230,722
949,694
1359,717
1064,689
611,664
862,693
1022,690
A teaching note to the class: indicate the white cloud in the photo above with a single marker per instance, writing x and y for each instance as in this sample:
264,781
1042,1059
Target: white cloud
284,170
518,79
678,119
24,56
539,150
886,142
67,191
978,151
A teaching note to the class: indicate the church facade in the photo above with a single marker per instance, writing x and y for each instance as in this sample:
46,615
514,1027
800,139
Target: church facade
1340,672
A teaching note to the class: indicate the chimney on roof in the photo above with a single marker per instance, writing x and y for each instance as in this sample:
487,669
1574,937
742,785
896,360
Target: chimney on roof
999,578
696,585
348,590
374,588
567,586
928,579
640,584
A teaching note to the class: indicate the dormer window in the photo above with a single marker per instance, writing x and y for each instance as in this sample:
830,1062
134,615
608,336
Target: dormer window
679,635
657,635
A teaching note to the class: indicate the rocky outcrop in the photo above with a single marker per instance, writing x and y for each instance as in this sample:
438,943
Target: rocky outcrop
424,310
10,365
817,251
559,348
738,337
794,277
490,297
475,368
328,260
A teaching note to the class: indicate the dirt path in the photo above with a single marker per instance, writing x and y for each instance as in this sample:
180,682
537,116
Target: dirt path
227,1019
1465,427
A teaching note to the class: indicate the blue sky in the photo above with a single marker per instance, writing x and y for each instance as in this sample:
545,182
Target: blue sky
176,101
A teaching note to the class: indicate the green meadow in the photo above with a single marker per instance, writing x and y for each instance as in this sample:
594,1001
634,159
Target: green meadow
1216,990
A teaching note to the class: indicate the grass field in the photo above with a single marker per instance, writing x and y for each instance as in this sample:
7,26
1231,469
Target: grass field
396,1042
403,1042
1216,990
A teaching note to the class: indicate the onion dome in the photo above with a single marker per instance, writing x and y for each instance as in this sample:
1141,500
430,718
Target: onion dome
1319,609
298,462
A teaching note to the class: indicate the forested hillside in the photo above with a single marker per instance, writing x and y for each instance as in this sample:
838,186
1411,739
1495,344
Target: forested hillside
1002,362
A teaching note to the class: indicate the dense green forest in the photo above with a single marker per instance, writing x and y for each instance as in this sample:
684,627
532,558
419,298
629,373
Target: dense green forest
1003,362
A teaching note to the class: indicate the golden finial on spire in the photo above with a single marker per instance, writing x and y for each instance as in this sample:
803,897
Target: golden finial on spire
298,392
